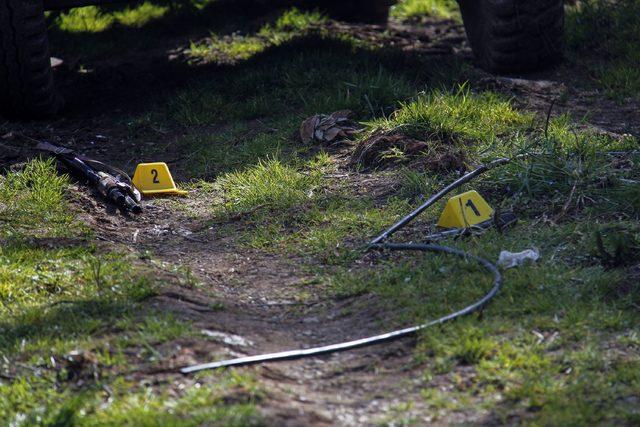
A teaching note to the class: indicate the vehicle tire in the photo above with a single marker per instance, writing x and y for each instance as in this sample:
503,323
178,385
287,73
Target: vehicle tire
514,35
364,11
26,78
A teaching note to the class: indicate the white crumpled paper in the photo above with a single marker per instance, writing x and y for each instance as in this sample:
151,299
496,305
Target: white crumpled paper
515,259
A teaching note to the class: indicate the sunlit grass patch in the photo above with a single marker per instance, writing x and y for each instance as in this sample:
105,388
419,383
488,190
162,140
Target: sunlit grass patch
413,9
227,49
457,117
33,199
88,19
230,49
34,401
139,15
270,185
292,21
93,19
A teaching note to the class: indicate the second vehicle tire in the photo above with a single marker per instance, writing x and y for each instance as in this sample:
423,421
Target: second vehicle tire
514,35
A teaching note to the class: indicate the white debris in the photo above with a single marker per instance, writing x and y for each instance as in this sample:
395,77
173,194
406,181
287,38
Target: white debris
515,259
229,339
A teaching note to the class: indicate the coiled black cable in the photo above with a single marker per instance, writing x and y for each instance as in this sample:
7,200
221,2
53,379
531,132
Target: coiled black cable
379,243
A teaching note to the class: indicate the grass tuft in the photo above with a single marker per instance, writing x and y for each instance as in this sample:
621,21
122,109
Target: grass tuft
415,9
33,198
88,19
270,185
572,172
456,117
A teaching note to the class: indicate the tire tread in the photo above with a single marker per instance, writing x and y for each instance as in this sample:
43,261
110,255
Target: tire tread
515,35
26,78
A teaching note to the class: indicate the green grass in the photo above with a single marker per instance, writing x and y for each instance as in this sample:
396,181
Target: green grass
603,36
415,9
457,117
232,48
270,184
569,293
93,19
33,401
235,125
306,85
228,49
31,198
299,209
58,294
95,32
580,290
572,172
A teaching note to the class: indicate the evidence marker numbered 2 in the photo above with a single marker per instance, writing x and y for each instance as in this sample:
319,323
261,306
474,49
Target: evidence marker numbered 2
155,179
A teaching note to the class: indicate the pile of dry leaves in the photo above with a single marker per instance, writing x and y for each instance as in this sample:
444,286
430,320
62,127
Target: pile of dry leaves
334,128
381,149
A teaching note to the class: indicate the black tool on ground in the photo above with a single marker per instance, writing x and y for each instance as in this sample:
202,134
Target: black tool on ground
380,243
500,221
112,183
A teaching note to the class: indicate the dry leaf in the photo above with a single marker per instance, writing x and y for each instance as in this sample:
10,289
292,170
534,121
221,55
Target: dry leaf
323,128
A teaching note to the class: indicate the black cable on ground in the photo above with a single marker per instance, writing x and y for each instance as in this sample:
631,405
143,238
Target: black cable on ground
379,243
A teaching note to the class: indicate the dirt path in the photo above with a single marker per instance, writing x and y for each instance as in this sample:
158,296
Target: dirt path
264,311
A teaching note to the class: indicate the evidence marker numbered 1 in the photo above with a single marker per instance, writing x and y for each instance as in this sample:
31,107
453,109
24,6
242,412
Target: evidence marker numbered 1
465,210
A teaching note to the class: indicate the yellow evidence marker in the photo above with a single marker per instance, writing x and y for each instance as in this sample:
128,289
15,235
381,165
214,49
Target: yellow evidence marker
465,210
155,179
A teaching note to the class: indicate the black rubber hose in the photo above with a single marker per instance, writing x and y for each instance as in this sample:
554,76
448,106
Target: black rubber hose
439,195
378,243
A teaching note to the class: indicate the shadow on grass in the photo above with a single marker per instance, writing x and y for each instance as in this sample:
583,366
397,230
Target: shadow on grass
61,292
64,321
182,20
136,74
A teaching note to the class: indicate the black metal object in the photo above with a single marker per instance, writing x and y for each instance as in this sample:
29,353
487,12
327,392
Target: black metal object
110,184
379,243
